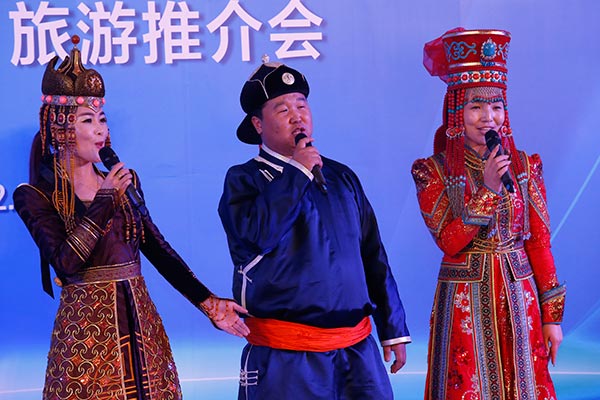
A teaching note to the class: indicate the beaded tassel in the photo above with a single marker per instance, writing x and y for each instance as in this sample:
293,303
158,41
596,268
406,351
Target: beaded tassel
439,140
518,167
44,114
58,137
455,154
141,228
131,226
64,192
129,220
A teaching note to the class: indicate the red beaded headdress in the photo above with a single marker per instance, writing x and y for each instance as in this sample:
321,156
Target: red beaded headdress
469,59
64,89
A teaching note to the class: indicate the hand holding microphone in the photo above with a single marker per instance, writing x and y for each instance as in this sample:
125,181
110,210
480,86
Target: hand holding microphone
109,159
316,169
492,139
117,178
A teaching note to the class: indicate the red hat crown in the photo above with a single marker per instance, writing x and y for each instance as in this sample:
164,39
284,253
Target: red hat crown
468,58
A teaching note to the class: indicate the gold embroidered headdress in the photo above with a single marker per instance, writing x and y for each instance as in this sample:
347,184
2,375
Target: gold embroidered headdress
63,90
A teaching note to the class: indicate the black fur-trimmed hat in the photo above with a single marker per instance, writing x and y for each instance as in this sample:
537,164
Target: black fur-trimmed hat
269,81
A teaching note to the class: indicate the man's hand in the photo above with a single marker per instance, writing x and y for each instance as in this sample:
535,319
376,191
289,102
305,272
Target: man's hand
399,353
307,155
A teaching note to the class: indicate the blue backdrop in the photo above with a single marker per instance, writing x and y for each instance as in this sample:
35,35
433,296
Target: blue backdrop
173,72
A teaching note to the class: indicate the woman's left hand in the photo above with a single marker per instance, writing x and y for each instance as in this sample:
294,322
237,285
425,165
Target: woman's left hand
224,314
552,338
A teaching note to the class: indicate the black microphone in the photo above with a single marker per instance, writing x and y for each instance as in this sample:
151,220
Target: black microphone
491,140
316,171
109,159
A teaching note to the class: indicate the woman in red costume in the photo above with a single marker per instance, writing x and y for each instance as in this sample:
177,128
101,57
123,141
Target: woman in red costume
108,340
498,306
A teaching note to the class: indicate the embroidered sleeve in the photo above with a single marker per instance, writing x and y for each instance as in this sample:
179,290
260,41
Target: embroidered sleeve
480,209
66,253
552,295
86,234
84,238
451,233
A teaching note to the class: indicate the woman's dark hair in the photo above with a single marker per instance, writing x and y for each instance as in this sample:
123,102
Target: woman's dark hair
35,158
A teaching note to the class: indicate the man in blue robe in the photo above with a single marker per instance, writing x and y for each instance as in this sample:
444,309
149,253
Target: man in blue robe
309,262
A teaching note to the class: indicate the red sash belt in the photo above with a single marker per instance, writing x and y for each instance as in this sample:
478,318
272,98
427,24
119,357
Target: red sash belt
299,337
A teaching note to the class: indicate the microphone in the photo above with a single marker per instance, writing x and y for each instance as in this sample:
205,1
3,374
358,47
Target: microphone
316,170
109,159
491,140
